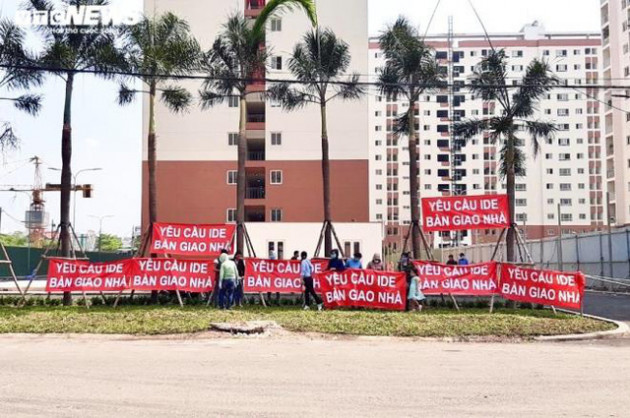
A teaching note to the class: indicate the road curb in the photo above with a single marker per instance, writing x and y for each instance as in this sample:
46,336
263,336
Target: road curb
622,328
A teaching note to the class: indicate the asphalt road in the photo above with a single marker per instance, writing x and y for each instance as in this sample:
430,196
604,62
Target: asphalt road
289,376
608,305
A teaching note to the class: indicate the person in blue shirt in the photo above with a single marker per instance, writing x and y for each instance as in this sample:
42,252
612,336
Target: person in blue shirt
306,272
463,261
335,263
355,262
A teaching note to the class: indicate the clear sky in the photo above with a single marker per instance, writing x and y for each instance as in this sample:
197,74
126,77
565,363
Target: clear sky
109,137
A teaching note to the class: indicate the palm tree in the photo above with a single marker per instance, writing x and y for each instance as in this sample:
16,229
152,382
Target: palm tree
17,73
319,60
517,115
157,48
236,58
66,54
410,69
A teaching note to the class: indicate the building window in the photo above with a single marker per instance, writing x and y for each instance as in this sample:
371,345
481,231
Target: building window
230,215
231,177
276,138
565,171
271,248
276,63
232,139
233,101
276,215
276,24
276,176
566,217
565,187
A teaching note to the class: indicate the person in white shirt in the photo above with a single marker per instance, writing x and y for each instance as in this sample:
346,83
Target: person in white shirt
306,271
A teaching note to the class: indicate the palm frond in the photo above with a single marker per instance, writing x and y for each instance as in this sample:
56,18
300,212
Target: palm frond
275,6
176,98
235,58
18,62
467,129
291,98
539,129
209,99
29,103
410,65
489,78
126,95
8,140
350,89
537,81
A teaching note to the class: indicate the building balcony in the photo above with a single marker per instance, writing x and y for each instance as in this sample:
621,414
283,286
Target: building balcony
254,214
255,193
256,155
253,7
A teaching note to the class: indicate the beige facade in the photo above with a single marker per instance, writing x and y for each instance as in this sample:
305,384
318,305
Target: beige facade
616,71
567,170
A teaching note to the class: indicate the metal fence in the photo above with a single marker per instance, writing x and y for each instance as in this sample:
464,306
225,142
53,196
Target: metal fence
598,254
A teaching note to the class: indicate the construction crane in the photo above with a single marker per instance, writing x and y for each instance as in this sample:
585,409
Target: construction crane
36,218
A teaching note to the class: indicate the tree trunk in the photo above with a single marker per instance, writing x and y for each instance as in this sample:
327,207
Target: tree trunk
152,162
66,177
241,178
413,182
510,238
152,157
326,182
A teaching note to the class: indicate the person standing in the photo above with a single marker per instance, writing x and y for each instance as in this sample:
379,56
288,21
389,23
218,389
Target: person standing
415,295
239,291
228,277
451,260
296,256
214,296
306,271
463,261
376,264
335,263
355,262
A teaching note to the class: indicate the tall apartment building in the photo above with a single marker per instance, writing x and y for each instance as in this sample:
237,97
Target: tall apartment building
615,17
197,151
567,171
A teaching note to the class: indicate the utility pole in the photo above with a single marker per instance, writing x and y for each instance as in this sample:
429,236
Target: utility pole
609,221
100,228
560,260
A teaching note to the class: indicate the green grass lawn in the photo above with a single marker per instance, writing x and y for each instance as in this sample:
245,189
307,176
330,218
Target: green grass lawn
156,320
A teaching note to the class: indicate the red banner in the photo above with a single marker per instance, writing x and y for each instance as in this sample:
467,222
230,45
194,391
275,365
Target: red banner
472,280
281,276
191,240
83,276
465,212
546,287
170,274
364,288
